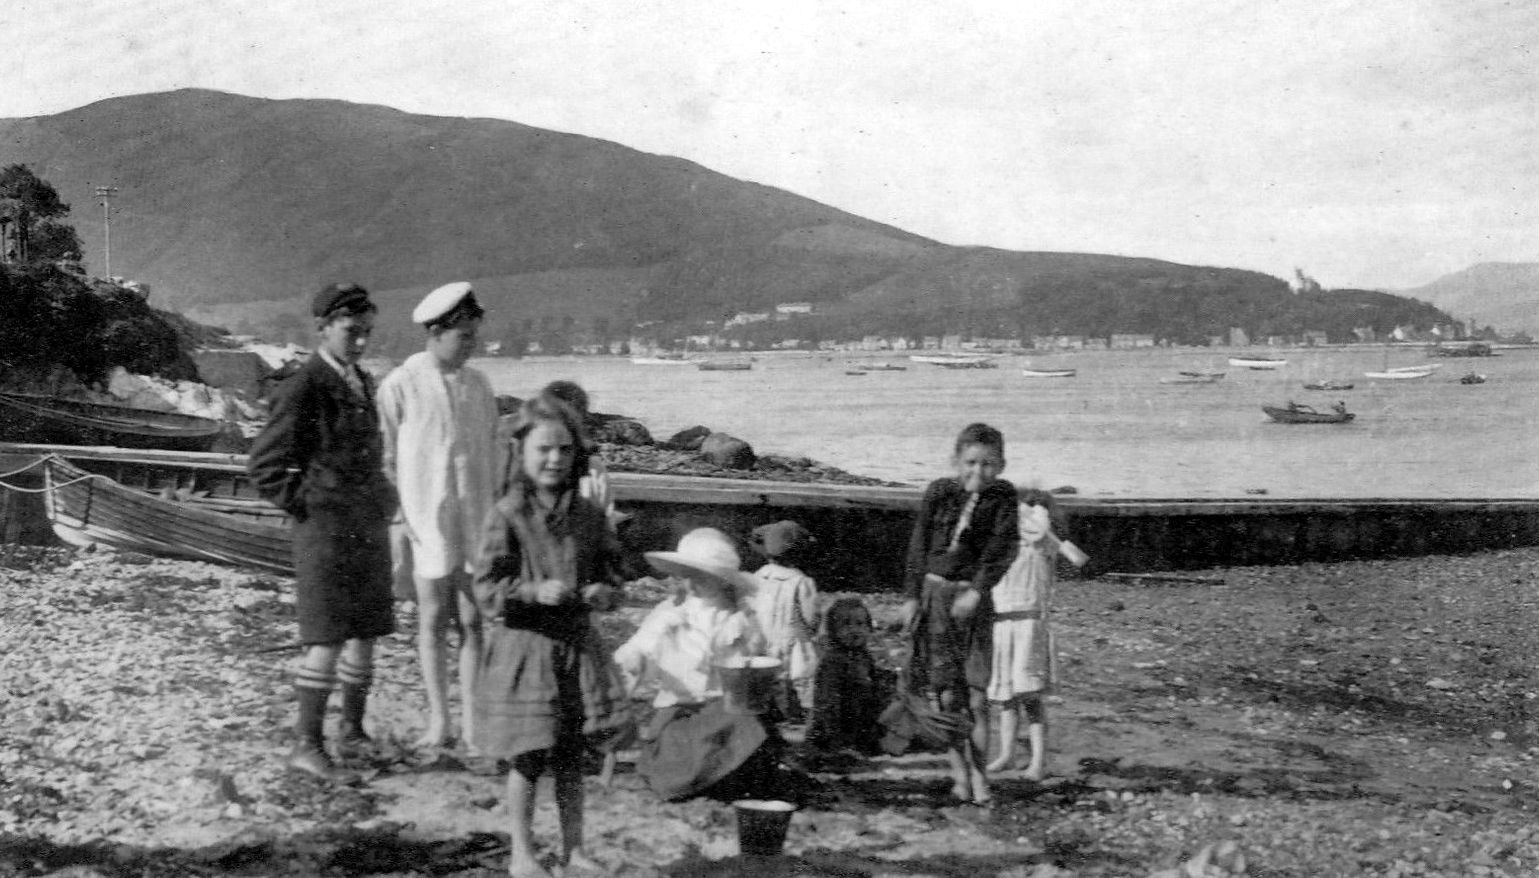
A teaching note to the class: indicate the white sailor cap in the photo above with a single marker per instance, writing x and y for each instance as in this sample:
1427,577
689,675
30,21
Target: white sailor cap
440,303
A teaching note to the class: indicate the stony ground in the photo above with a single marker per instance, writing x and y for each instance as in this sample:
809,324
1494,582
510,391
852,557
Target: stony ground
1371,718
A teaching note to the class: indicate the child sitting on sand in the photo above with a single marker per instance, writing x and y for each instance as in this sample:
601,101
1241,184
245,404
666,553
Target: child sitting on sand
695,746
785,602
850,691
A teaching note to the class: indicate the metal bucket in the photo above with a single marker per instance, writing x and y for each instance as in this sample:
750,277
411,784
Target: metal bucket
761,825
748,684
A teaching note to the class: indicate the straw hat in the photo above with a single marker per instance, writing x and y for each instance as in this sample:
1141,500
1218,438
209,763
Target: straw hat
703,550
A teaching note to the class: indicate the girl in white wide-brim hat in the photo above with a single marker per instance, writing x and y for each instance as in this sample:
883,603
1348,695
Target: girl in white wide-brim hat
694,745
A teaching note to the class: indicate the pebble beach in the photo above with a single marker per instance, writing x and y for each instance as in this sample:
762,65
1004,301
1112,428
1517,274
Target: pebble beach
1362,718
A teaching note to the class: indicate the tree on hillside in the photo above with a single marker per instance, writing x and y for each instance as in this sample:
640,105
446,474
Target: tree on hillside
30,229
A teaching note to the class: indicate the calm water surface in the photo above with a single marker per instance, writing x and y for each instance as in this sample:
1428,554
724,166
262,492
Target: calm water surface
1113,430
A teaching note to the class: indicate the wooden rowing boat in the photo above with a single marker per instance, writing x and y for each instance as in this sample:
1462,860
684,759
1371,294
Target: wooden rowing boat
46,419
1049,373
162,508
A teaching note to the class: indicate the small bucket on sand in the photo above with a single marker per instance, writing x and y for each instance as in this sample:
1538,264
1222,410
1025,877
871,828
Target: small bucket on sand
761,826
748,684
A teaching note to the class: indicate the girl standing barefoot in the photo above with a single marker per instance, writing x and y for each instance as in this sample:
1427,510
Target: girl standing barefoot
544,690
1024,665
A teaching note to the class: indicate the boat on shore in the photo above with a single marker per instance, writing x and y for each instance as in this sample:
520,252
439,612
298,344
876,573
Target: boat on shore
164,509
48,419
1049,373
1298,413
1257,363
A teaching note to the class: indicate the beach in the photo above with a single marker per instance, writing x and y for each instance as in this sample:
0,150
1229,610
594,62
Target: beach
1361,718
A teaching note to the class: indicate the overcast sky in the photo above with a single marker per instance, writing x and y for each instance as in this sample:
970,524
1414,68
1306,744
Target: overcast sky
1375,143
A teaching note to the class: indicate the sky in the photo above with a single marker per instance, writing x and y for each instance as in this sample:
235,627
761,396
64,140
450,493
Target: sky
1369,143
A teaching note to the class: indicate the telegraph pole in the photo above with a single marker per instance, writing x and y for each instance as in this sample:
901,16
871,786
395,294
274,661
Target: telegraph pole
105,195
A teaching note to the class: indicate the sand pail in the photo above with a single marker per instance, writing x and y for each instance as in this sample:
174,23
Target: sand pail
748,684
761,826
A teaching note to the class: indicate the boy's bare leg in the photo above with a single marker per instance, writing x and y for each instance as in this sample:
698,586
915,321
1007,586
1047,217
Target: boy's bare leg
433,611
470,660
977,746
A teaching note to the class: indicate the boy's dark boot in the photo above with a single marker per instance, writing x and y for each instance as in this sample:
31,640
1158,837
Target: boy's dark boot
352,740
309,753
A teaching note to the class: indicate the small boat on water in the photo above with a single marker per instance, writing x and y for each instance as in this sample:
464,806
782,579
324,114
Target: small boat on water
880,366
1192,378
955,361
1257,363
725,365
665,360
1297,413
1472,378
1212,375
1049,373
1400,374
1328,384
52,420
854,371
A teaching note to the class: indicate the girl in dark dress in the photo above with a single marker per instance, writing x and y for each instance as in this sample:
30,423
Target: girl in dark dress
545,690
963,541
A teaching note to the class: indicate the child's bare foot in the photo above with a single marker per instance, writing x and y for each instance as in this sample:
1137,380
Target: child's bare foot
436,736
528,869
962,791
1035,772
980,787
1003,762
579,863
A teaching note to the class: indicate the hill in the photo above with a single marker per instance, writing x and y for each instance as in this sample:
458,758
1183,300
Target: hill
232,209
1504,295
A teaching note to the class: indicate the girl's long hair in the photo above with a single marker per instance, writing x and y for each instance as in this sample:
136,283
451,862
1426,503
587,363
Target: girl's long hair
545,408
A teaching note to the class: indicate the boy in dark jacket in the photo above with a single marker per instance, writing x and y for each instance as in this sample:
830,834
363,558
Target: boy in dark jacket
319,458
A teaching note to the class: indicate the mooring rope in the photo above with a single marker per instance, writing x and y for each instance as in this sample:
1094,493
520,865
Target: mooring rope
46,488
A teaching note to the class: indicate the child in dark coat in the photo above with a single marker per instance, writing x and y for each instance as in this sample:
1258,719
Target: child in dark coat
850,691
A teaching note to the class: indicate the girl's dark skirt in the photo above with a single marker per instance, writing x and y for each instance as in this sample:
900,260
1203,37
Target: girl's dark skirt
342,574
703,750
536,692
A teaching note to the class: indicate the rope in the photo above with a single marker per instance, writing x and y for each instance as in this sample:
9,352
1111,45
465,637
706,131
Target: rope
17,472
46,488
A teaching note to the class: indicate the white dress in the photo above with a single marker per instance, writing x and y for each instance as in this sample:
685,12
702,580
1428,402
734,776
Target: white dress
440,443
1023,662
785,602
